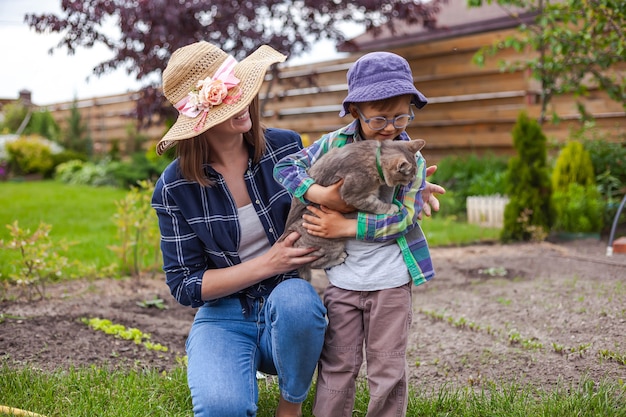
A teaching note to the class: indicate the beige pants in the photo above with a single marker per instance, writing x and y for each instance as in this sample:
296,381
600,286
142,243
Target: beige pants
381,320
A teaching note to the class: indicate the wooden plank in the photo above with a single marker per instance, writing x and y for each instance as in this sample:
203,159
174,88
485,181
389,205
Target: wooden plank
447,46
291,108
457,63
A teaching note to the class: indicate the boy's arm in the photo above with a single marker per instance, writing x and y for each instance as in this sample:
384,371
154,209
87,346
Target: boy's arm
291,173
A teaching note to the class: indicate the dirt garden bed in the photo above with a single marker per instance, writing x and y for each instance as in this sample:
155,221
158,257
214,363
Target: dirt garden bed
538,313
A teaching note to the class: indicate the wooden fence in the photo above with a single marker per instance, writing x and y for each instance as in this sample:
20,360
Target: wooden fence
471,108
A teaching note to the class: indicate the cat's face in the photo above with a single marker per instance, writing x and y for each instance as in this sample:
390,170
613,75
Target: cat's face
400,106
399,161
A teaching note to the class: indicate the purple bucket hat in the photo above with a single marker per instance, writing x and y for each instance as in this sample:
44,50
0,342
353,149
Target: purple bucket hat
380,75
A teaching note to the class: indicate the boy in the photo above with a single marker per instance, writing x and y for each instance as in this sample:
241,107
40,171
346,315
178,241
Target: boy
368,298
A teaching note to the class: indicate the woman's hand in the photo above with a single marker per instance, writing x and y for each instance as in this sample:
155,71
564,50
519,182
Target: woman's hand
285,257
328,223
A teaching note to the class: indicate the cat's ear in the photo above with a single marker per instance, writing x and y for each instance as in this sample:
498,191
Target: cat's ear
406,168
416,145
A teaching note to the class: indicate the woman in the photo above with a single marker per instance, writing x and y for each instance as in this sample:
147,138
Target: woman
221,213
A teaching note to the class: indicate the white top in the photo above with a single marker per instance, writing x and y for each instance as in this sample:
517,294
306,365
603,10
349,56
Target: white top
253,238
371,266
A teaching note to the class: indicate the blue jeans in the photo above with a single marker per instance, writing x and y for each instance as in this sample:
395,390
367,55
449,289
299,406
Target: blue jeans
282,336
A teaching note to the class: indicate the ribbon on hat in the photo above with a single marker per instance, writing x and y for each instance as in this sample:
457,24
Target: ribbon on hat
222,87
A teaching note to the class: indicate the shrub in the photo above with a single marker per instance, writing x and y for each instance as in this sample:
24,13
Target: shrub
573,166
609,165
137,231
14,114
466,176
138,168
85,173
528,214
577,203
42,123
30,155
40,263
578,209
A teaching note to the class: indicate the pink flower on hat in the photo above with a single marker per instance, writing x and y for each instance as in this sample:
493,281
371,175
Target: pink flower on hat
221,88
211,92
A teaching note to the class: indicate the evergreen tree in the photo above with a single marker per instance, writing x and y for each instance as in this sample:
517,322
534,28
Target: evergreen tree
76,137
528,215
42,123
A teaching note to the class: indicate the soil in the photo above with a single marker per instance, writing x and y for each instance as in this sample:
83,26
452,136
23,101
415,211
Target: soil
538,313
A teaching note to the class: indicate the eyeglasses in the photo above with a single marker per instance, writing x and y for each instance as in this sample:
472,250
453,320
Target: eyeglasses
380,122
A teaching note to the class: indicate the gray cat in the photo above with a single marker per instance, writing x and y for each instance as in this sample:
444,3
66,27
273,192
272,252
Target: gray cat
364,167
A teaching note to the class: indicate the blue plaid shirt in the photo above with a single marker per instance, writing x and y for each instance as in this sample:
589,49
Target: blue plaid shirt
200,228
291,172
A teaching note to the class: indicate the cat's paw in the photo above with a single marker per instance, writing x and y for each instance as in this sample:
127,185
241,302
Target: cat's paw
393,209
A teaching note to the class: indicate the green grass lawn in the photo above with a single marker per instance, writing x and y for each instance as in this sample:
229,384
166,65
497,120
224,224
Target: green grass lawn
442,231
83,215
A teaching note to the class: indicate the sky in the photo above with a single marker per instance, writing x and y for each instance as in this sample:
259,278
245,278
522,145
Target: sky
27,65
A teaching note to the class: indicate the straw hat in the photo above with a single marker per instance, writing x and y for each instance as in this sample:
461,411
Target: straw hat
207,86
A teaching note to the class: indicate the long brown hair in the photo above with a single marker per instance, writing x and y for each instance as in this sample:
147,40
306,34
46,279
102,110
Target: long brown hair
194,153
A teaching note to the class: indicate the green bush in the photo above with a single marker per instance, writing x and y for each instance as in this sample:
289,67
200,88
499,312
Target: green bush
67,155
14,114
79,172
138,168
451,205
573,166
528,215
42,123
30,155
578,205
466,176
609,165
124,174
578,209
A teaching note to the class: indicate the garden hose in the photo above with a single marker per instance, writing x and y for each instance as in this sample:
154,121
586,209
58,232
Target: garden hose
609,248
17,412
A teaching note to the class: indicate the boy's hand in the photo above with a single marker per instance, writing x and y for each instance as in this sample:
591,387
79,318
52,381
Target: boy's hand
328,223
428,194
